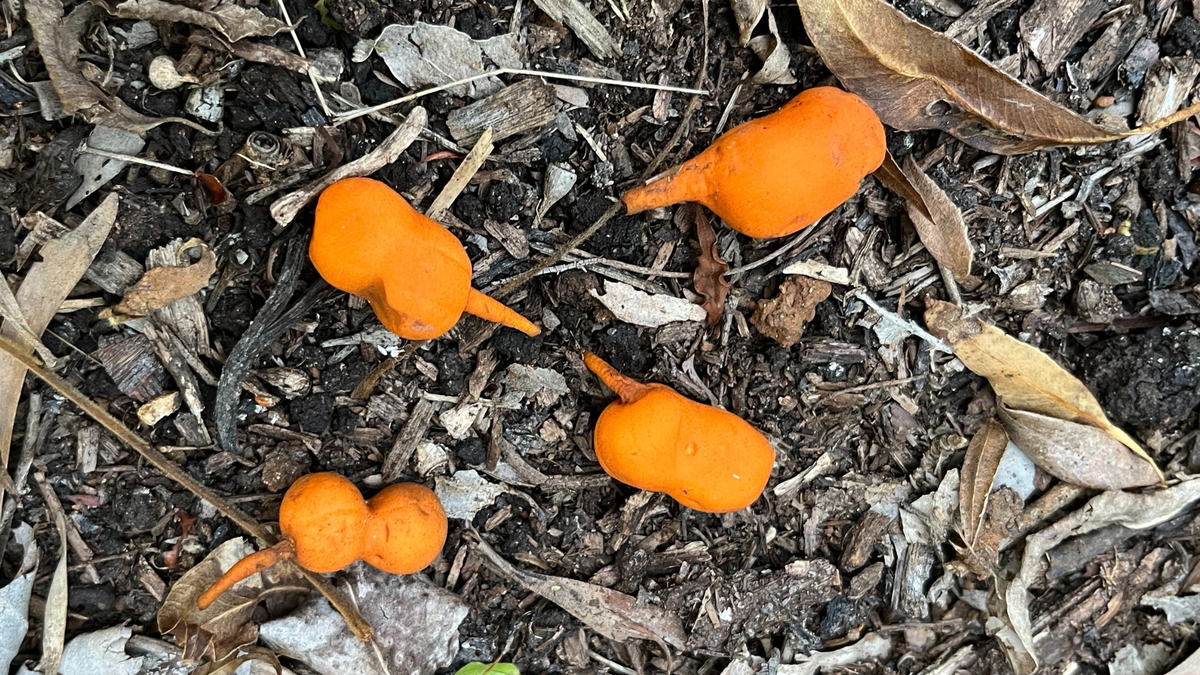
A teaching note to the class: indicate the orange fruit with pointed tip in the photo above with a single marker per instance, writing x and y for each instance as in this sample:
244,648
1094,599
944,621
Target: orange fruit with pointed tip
369,242
775,175
655,439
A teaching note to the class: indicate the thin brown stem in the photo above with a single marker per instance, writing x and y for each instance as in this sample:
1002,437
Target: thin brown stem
354,619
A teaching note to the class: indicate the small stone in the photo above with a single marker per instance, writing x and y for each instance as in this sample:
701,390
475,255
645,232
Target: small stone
1096,303
1028,296
282,467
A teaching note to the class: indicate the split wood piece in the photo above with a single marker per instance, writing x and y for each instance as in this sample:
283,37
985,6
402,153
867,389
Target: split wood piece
1052,27
410,436
1168,86
15,351
515,109
114,271
1110,50
573,15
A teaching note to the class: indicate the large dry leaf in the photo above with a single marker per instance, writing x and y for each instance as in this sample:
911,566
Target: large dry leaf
1076,453
709,277
214,633
58,39
46,285
1115,507
613,614
978,471
937,219
1024,377
160,286
424,55
229,19
916,78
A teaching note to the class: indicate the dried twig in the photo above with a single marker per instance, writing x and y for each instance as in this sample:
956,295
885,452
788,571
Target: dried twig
176,473
355,114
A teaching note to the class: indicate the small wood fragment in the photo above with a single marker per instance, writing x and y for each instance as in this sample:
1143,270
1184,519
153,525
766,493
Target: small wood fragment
1103,57
1052,27
573,15
413,433
114,271
524,106
129,360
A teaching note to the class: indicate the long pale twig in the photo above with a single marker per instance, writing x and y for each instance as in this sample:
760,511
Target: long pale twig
342,118
354,619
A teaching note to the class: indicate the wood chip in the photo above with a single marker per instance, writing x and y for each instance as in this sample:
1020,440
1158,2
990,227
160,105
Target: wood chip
524,106
573,15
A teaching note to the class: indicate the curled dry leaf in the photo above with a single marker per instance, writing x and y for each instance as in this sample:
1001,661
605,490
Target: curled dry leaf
709,277
161,286
614,615
747,13
1004,506
978,471
228,18
783,317
774,54
225,626
937,219
916,78
1024,377
1076,453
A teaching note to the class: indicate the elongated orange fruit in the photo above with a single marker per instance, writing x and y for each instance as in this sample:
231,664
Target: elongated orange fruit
775,175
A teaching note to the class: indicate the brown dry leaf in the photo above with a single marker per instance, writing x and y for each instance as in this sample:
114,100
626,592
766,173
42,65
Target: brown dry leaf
252,51
228,19
615,615
916,78
1024,377
1003,508
58,41
160,286
709,277
936,218
978,471
46,285
783,317
215,633
1076,453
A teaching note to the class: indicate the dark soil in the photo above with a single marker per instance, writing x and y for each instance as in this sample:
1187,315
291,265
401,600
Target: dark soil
725,576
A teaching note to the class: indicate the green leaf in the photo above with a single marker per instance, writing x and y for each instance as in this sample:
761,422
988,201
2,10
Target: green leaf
488,669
